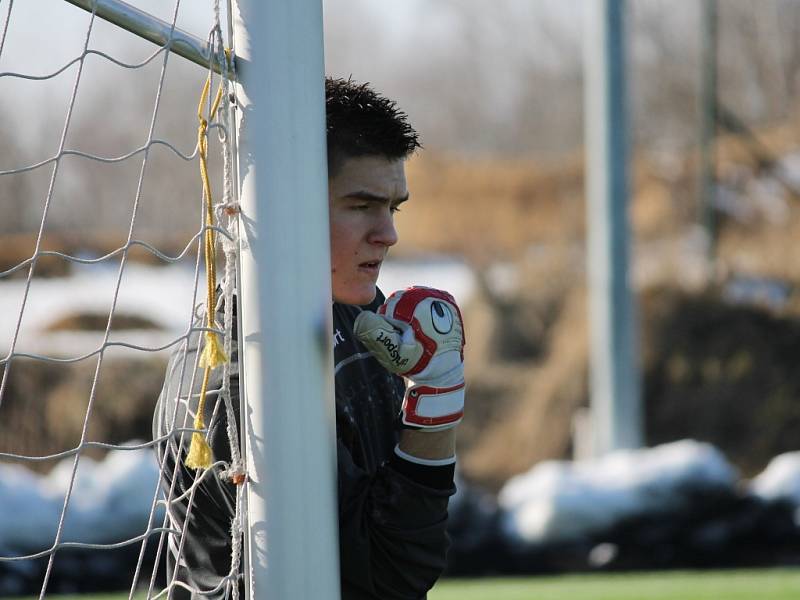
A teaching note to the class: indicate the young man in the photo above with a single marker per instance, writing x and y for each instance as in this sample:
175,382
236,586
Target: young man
395,440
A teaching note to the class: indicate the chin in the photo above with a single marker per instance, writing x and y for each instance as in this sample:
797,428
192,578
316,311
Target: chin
359,297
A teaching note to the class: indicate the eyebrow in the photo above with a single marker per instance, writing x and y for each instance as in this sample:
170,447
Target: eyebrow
370,197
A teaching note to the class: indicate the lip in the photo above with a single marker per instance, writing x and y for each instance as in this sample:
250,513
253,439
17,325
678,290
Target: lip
371,266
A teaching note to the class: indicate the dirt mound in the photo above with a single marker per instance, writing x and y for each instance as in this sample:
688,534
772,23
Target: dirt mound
44,404
16,249
712,371
94,321
524,411
721,373
527,353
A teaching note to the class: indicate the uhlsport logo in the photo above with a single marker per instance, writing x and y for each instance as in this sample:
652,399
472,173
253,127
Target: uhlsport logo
392,349
441,317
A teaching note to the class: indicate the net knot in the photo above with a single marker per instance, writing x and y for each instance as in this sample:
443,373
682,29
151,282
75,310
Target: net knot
236,475
230,209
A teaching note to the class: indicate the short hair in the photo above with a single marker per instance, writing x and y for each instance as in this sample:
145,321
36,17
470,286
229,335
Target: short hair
361,122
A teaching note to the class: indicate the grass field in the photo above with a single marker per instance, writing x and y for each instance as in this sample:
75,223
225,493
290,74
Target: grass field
756,584
763,584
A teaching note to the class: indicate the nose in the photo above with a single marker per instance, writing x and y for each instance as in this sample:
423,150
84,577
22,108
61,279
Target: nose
384,232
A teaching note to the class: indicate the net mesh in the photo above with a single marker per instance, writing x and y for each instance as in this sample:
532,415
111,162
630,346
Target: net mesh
80,511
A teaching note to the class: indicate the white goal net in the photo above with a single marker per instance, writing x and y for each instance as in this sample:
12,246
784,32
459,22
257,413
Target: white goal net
118,250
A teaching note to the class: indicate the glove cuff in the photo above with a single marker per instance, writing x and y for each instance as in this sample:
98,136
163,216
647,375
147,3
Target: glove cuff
433,408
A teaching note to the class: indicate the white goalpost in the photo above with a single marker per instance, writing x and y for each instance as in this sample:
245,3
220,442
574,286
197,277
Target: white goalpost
261,202
287,350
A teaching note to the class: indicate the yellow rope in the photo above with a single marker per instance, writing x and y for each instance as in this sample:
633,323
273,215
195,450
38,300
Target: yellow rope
200,456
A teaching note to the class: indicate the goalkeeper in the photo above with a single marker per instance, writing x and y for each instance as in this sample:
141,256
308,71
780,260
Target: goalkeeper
399,381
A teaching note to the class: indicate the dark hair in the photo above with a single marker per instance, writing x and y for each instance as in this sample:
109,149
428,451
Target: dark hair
361,122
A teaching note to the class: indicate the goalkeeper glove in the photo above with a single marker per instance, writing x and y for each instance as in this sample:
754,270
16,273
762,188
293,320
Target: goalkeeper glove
418,333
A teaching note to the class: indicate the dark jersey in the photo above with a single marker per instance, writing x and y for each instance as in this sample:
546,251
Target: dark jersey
392,513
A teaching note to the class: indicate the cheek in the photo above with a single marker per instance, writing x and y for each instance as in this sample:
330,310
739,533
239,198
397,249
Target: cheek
340,248
344,241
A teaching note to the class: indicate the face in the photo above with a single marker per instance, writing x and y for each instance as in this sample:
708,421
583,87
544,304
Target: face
364,195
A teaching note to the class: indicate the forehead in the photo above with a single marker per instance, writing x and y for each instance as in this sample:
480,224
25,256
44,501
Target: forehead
376,175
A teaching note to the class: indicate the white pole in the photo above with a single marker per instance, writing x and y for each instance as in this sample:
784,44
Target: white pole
150,28
614,379
285,299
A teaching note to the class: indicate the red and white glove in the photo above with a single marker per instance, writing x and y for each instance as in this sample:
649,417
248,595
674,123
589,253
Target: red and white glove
418,333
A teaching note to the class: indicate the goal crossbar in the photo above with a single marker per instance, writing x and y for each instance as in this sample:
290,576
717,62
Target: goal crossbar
153,30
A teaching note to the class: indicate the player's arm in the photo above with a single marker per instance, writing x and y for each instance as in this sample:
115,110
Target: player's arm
393,524
432,445
418,333
392,529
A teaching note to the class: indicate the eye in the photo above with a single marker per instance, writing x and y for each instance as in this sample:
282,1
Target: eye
394,209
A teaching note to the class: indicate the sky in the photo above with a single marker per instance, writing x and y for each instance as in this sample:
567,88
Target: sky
446,59
43,35
394,44
39,45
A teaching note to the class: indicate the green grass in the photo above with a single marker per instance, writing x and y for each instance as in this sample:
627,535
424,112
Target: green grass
755,584
761,584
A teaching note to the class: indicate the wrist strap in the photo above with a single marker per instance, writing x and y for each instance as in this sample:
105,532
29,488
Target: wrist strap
428,462
430,407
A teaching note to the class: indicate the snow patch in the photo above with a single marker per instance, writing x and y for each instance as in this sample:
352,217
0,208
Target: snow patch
780,480
110,501
558,501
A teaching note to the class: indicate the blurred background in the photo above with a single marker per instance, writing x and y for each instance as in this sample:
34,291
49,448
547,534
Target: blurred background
498,213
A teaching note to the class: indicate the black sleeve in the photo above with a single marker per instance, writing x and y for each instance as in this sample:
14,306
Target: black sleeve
392,530
199,557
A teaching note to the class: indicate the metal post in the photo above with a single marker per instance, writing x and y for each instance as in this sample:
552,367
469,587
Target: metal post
708,126
614,380
292,547
150,28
